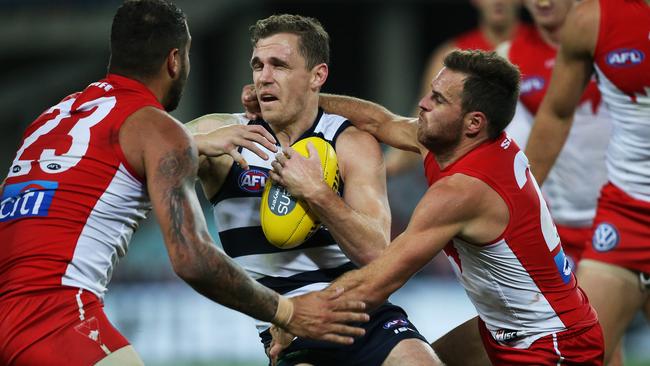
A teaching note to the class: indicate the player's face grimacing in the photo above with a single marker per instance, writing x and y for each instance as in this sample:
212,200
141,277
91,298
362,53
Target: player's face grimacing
440,122
281,77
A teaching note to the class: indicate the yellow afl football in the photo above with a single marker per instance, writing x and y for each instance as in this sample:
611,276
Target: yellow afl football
286,221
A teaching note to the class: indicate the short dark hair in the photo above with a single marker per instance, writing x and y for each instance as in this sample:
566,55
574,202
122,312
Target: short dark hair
491,86
314,44
143,33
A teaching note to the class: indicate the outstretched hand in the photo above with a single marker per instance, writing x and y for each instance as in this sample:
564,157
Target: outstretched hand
249,101
226,140
325,315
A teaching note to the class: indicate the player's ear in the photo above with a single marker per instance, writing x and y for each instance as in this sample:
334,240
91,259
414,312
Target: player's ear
173,62
319,75
475,122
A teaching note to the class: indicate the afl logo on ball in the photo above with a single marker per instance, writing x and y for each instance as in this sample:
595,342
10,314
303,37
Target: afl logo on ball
252,180
605,237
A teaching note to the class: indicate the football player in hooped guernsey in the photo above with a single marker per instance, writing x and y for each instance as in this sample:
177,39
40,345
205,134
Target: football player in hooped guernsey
87,171
289,63
485,210
612,39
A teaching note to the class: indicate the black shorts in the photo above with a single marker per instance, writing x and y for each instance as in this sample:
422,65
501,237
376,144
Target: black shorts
388,326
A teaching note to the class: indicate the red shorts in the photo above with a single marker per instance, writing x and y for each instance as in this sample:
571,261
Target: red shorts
574,241
66,326
584,346
621,231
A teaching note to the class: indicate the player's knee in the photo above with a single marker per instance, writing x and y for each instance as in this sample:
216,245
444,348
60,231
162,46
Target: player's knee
412,352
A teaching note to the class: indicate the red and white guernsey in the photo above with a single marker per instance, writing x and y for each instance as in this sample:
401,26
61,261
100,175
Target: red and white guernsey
521,283
71,201
475,39
472,40
572,198
622,63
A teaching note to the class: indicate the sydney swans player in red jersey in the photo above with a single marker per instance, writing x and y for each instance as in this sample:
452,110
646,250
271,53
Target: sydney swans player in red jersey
88,169
571,198
485,210
612,39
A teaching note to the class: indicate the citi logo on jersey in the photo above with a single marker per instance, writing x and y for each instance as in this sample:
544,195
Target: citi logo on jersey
252,180
27,199
624,57
532,84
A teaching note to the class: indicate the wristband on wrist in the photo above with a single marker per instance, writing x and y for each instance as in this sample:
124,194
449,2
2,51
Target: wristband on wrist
284,312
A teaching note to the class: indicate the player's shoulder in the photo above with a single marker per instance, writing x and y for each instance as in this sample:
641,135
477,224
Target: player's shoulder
209,122
585,14
357,140
157,126
458,195
581,26
338,129
461,186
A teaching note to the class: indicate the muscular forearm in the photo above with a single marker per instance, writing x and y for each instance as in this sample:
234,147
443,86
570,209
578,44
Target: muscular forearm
365,115
387,127
545,143
220,279
369,284
360,236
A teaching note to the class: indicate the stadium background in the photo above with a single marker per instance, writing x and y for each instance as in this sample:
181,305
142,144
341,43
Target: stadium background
379,48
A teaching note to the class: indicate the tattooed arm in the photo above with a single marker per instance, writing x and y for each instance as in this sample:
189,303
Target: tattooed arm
161,150
168,161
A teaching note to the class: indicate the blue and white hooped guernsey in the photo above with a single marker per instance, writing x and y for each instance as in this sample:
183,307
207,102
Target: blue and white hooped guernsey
310,266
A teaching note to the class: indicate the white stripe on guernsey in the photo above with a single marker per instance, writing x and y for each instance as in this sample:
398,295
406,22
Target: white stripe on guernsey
80,305
557,350
262,326
293,262
628,153
105,236
504,293
237,212
329,125
254,160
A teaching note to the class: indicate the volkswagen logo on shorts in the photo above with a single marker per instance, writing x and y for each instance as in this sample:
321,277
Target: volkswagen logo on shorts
605,237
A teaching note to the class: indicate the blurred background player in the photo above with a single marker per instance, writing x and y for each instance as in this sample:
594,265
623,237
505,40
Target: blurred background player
87,171
485,211
498,21
611,38
290,65
571,197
